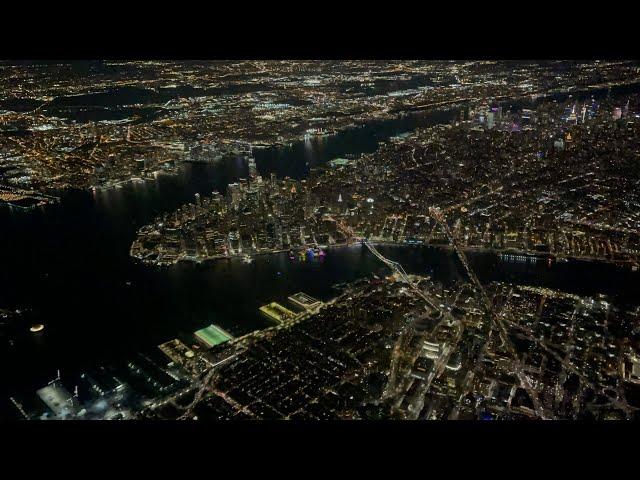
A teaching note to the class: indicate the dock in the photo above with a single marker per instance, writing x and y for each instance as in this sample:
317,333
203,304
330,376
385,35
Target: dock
304,301
277,312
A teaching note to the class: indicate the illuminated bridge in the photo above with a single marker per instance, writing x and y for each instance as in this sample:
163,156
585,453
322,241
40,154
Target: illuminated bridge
394,266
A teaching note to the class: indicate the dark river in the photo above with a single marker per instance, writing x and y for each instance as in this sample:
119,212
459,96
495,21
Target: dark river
69,264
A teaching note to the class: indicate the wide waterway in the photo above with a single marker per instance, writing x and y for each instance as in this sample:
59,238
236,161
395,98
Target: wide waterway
69,264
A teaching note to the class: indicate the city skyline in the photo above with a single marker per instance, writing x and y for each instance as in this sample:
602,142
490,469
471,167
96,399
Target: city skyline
320,240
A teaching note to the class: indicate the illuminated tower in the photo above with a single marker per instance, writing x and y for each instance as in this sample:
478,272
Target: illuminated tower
235,194
490,120
253,172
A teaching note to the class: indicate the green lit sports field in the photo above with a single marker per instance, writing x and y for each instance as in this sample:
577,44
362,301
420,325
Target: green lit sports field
213,335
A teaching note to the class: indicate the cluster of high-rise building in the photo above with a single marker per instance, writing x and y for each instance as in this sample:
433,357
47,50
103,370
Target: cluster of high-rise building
553,188
253,216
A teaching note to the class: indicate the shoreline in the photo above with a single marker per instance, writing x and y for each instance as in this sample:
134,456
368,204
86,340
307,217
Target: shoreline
623,265
240,256
383,115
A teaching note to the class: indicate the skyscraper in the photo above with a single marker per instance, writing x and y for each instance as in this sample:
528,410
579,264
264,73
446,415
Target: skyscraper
235,193
253,171
490,120
617,113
